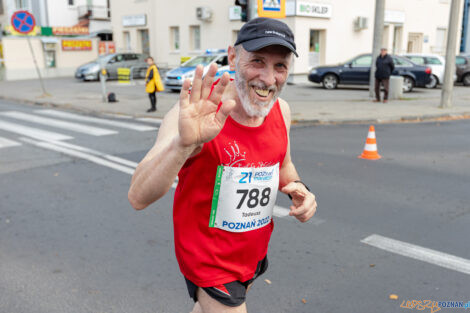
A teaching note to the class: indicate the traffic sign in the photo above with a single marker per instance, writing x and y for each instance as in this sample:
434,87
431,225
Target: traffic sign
272,8
23,22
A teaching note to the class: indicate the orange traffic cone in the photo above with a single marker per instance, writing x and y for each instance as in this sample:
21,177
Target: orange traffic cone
370,149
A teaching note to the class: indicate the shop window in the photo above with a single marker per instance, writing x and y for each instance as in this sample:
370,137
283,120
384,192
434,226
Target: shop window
49,54
195,37
175,38
144,41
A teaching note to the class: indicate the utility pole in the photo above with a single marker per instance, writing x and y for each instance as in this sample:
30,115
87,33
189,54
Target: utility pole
377,43
448,85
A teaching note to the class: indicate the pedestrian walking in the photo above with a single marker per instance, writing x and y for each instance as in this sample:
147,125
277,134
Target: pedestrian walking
228,143
384,68
153,84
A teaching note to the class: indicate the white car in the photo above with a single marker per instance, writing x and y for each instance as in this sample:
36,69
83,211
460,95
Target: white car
435,62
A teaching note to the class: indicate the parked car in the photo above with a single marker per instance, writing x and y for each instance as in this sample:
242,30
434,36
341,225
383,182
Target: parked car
134,61
435,62
463,69
357,71
174,79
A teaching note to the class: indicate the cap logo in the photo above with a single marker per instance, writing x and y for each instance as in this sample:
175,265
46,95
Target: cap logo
275,33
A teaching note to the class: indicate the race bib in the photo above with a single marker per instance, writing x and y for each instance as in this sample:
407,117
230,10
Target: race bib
244,197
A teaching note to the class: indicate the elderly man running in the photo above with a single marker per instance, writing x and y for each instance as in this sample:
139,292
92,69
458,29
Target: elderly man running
228,143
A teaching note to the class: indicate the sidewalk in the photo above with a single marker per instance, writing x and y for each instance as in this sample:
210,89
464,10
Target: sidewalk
310,104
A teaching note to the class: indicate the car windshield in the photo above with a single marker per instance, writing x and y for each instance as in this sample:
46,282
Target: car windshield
203,59
105,58
416,59
401,62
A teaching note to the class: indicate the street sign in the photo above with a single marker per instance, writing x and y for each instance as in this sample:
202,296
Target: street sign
23,22
272,8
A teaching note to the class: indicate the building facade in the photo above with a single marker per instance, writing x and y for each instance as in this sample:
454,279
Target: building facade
326,31
68,33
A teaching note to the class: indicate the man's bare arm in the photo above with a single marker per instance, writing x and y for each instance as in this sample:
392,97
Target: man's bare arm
304,204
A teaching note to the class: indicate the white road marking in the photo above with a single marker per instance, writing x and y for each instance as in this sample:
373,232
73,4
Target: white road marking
419,253
81,155
94,152
91,119
32,132
80,128
8,143
150,120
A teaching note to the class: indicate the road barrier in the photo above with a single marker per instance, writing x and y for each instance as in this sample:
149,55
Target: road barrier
124,75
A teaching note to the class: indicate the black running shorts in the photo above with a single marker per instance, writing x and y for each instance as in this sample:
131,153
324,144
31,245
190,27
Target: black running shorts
230,294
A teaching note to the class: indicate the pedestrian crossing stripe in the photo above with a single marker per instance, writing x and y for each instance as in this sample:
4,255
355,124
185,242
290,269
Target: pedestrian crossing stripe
90,119
75,127
8,143
32,132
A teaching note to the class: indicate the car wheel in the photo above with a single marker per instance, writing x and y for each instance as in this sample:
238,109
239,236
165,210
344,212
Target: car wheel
330,81
466,80
408,84
433,82
142,73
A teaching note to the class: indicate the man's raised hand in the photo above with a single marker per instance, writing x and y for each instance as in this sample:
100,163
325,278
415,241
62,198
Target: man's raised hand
199,121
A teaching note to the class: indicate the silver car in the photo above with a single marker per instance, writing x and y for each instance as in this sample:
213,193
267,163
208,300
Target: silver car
111,62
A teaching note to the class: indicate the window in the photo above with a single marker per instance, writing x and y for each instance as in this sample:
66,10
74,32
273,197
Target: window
71,2
130,57
460,61
195,37
363,61
127,41
417,60
401,62
433,61
21,4
223,61
175,38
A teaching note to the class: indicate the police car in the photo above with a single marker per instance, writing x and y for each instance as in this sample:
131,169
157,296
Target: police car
174,79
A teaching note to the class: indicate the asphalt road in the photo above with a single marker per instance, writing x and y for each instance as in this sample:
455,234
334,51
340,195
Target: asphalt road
70,242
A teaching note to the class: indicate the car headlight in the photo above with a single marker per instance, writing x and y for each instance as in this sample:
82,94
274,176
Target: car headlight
313,71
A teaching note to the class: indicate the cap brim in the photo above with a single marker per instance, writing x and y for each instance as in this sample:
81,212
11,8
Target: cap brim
260,43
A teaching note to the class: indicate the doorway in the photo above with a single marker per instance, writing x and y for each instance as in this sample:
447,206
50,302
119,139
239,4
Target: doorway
415,43
316,47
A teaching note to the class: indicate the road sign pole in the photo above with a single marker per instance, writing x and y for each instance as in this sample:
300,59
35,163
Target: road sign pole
448,85
44,92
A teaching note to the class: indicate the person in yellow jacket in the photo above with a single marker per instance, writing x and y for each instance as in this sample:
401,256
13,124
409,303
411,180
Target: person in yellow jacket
153,84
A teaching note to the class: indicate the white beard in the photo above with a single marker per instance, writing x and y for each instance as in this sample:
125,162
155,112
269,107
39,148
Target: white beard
258,108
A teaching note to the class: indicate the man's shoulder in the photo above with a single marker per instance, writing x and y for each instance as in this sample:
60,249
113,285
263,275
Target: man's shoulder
285,110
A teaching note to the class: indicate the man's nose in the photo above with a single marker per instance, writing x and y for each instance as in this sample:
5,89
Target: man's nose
267,76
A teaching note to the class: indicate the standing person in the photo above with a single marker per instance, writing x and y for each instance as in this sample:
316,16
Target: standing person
153,84
228,143
384,68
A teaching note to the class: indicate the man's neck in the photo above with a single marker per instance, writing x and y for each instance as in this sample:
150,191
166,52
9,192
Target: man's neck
238,113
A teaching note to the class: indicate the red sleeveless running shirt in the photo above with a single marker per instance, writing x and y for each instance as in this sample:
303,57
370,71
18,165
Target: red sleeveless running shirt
212,256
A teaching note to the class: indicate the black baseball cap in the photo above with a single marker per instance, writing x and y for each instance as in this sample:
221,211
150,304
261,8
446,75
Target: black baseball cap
262,32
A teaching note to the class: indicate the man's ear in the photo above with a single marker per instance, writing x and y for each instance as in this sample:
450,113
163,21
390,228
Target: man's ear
231,57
